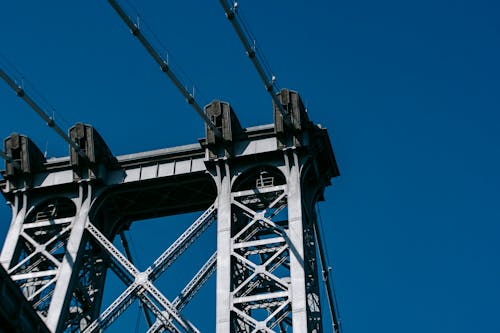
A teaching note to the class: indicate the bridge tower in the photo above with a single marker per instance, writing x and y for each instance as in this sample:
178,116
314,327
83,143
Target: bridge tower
259,185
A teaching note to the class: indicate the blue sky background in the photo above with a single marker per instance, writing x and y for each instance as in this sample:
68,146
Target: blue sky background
409,91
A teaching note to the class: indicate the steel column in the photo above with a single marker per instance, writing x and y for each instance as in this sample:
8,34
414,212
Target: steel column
67,272
296,238
223,180
19,207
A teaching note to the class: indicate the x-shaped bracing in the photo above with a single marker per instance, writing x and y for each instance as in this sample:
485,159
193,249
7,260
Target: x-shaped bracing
140,284
273,250
27,271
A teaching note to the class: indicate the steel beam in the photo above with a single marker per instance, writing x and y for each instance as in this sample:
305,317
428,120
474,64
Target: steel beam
141,282
19,207
67,272
295,234
224,219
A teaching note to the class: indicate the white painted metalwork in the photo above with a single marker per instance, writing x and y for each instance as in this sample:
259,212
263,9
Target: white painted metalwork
142,281
263,191
181,244
189,291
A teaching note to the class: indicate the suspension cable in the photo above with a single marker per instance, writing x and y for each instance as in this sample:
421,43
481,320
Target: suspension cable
269,80
164,66
328,281
20,92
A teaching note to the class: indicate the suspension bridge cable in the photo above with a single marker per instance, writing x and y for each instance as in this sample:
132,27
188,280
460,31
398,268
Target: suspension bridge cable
161,48
328,281
14,72
258,60
20,92
164,66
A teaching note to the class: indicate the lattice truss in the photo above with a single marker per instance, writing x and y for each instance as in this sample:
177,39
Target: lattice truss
38,257
260,262
261,285
140,284
260,258
41,248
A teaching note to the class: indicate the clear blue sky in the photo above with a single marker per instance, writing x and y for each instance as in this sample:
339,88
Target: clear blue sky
408,90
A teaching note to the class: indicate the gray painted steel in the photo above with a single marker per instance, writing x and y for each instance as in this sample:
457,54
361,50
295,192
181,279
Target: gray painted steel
260,184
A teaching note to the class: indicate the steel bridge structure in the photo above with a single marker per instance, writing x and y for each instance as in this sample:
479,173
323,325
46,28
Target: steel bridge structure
259,186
